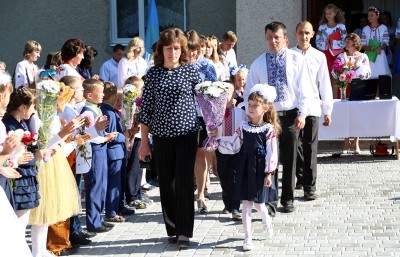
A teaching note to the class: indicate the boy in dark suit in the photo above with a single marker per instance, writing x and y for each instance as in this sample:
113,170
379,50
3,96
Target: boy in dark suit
116,154
96,182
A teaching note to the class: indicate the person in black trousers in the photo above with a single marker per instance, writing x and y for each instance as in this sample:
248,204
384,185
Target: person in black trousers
169,113
284,69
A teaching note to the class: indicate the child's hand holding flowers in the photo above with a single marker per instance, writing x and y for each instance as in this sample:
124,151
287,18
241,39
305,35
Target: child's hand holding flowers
81,139
73,125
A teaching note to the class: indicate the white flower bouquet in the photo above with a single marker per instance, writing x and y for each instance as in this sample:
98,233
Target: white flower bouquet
128,104
212,98
46,94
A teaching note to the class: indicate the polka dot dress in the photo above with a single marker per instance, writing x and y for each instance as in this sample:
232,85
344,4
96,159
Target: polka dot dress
168,106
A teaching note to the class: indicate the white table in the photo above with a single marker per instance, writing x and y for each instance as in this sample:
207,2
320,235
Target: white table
373,118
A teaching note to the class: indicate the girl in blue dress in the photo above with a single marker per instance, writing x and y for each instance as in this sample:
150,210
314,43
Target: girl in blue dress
25,188
256,143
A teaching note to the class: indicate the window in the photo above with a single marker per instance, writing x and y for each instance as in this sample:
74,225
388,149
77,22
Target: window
129,17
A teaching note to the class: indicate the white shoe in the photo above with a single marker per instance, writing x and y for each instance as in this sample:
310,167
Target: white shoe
269,231
267,227
247,245
48,254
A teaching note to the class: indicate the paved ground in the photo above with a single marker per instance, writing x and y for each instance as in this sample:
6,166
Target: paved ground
356,214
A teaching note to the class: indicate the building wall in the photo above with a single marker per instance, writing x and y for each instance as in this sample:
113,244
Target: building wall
51,23
252,16
211,17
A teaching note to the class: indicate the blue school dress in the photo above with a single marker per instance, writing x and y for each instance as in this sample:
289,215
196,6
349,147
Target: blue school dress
249,173
25,189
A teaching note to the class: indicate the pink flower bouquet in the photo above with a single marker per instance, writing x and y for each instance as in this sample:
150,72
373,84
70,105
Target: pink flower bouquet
343,74
212,98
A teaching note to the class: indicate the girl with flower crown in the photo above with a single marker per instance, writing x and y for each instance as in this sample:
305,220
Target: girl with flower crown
256,143
376,32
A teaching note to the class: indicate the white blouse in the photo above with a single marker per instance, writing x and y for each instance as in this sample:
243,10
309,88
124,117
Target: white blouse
25,73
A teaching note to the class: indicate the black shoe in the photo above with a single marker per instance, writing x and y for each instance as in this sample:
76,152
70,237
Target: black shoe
68,252
172,240
126,212
101,229
289,207
153,182
271,210
107,224
86,234
310,196
298,186
225,211
79,240
183,244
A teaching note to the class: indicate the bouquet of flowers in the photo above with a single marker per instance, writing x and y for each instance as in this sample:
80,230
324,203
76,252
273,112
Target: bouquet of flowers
212,98
343,74
88,122
27,139
46,94
128,100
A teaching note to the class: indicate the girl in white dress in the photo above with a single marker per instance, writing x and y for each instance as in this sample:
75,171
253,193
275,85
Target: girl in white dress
379,32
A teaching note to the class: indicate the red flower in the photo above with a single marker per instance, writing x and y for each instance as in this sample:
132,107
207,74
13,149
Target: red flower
29,138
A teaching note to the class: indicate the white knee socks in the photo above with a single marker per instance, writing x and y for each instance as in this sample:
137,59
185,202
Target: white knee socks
247,206
39,239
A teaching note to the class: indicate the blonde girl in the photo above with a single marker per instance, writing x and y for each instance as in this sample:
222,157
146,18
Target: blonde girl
331,22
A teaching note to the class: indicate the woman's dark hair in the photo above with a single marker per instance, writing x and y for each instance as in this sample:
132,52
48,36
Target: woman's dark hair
89,55
168,37
193,40
20,96
48,60
72,48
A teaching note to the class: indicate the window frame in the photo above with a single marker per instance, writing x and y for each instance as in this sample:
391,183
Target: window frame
114,39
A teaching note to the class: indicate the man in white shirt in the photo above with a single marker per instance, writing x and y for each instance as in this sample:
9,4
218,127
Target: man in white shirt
284,69
109,69
321,101
226,46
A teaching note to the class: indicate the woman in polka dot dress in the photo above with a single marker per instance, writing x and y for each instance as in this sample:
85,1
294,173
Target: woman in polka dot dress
169,114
